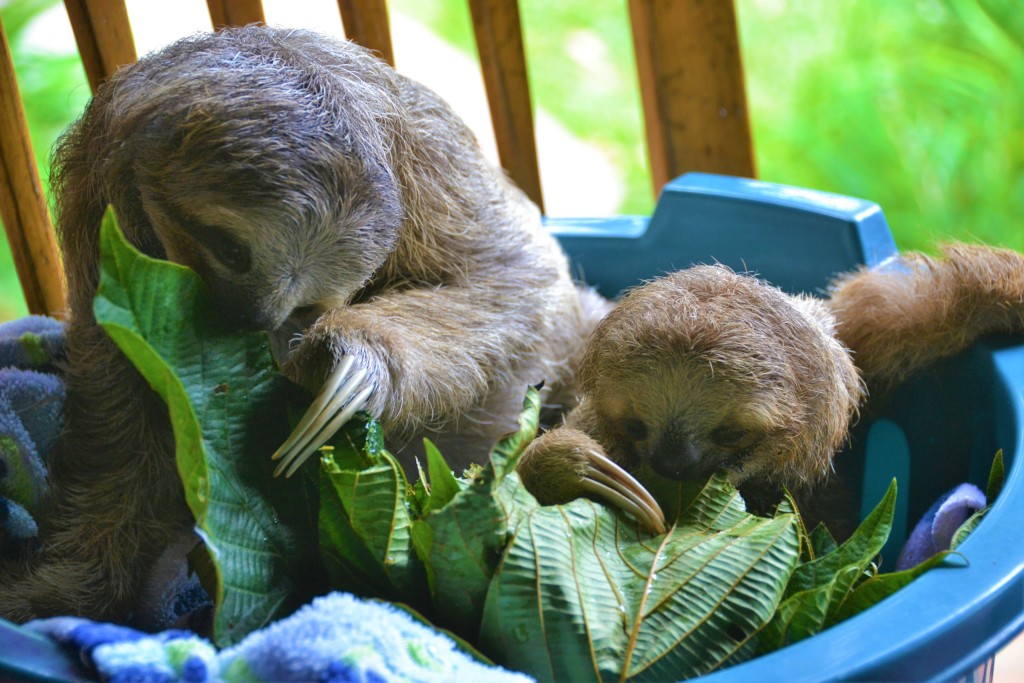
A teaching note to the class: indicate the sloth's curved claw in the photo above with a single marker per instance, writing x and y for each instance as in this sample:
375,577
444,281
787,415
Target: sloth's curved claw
342,395
604,479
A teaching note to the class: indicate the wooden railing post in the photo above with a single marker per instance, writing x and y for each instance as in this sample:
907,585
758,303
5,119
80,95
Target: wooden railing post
235,12
499,41
692,87
366,22
104,37
22,203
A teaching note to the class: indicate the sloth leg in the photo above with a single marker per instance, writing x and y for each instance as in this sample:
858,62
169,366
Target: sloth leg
565,464
434,360
116,499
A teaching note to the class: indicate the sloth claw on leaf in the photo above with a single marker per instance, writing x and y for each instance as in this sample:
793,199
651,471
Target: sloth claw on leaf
566,464
343,394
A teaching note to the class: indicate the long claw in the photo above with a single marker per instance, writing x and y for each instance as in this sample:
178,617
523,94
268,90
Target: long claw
325,394
333,426
344,393
605,479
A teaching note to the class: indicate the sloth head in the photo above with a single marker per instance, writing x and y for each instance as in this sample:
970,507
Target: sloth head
706,370
261,159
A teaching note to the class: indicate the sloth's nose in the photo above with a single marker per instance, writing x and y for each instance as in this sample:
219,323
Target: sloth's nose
676,457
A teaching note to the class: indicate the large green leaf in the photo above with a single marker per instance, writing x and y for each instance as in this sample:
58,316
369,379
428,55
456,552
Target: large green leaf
461,543
365,524
581,594
874,589
224,396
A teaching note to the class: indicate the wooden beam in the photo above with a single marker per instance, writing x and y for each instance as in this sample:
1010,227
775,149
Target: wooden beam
499,41
104,36
366,22
235,12
22,203
692,87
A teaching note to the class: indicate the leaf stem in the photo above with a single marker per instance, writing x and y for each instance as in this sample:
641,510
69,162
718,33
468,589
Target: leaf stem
631,647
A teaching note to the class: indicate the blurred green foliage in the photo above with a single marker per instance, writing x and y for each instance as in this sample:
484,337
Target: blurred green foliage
917,105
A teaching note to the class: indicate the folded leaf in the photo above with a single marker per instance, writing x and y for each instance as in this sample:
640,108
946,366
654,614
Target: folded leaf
365,528
821,586
462,542
224,396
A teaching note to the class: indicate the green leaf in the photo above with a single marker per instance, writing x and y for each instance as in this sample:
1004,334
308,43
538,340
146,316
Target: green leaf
581,594
858,550
881,586
805,613
365,527
967,528
443,484
821,586
822,541
996,477
462,542
223,394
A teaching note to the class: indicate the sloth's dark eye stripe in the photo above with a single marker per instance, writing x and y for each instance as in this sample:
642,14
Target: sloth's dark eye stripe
218,241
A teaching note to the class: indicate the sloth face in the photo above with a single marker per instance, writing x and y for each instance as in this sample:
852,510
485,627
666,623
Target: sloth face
705,370
265,265
684,421
268,170
281,236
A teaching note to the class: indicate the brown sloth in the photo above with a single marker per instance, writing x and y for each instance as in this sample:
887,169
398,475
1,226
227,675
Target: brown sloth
706,370
322,197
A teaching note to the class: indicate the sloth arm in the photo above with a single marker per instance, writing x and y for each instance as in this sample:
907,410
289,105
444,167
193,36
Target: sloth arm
418,357
566,463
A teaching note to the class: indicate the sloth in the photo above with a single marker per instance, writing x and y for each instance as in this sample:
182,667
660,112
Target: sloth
328,200
701,370
706,370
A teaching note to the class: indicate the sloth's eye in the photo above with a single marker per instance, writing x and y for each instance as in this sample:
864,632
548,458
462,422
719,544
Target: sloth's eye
732,437
635,429
230,251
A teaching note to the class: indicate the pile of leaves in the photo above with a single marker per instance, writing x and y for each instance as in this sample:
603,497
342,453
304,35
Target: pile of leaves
573,591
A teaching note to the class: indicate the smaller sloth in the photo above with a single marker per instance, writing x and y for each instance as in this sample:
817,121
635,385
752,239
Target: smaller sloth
699,371
706,370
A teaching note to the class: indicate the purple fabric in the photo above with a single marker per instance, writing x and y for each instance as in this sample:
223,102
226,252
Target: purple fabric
935,531
34,341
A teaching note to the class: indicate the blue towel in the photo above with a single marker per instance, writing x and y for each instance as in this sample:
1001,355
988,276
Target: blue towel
337,638
34,341
31,401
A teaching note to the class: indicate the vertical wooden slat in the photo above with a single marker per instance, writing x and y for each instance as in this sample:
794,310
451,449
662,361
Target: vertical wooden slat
104,36
235,12
366,22
22,204
692,88
499,41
